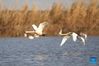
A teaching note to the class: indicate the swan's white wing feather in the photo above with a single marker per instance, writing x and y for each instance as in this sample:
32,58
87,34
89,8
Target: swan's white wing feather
41,26
83,40
34,27
64,40
85,36
74,36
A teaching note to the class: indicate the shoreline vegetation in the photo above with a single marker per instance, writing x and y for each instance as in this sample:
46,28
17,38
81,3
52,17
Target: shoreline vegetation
78,18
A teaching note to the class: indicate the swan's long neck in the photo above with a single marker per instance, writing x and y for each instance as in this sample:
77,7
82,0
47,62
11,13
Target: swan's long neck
60,33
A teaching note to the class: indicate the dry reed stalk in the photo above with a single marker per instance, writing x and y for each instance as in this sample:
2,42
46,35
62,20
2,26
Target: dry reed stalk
79,17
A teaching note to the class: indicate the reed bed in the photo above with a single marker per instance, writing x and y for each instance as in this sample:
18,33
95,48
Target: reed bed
78,18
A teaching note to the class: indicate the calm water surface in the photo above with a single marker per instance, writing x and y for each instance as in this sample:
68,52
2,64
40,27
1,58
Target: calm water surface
46,51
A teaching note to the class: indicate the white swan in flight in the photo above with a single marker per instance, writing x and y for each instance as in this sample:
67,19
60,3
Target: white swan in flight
38,31
40,28
74,35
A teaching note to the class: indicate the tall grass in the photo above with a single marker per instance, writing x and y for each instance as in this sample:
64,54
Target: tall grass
79,18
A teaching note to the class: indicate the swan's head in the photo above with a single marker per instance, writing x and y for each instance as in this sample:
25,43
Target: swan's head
45,23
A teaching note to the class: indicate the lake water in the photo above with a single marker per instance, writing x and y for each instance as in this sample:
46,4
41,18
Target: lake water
46,51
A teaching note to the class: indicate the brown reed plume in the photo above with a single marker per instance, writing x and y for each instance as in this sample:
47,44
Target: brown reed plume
80,17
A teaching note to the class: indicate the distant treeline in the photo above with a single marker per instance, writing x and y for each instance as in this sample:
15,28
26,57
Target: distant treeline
78,18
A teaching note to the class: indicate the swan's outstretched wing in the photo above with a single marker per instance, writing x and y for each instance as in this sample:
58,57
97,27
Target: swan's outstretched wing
42,26
34,27
85,35
74,36
64,40
83,40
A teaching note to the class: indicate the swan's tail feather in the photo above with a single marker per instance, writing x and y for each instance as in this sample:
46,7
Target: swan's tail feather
31,37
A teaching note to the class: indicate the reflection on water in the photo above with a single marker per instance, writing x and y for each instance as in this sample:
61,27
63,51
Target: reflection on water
46,51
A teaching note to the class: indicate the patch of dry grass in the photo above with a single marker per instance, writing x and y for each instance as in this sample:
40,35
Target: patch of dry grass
78,18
